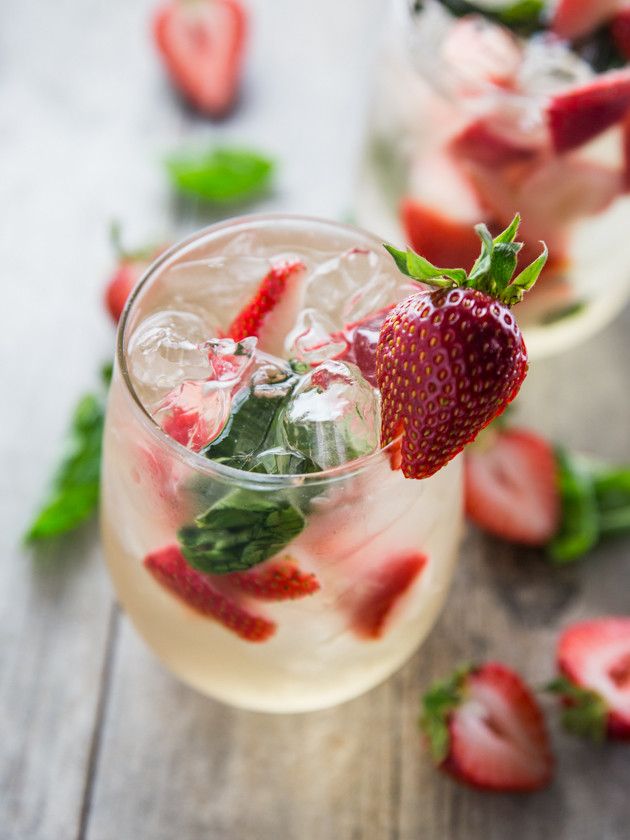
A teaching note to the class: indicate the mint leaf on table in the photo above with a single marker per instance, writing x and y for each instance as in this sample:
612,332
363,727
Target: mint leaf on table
220,175
74,493
239,531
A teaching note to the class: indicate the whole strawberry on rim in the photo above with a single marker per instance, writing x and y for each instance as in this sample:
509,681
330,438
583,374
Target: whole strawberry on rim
451,357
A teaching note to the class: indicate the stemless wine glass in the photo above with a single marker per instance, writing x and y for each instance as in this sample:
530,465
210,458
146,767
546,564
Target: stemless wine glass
471,123
274,592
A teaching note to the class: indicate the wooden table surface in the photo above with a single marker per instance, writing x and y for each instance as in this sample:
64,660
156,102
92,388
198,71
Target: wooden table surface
97,740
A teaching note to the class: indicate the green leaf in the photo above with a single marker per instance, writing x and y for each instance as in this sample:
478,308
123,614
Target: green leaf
585,712
418,268
579,526
524,17
437,705
74,493
221,175
239,531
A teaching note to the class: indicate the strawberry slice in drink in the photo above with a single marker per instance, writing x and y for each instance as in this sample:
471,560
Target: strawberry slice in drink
511,485
273,308
485,728
593,659
582,112
438,237
376,595
201,43
277,580
205,596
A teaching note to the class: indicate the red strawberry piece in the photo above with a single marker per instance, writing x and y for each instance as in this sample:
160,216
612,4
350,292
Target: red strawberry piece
594,658
191,417
450,359
273,309
482,142
573,19
278,581
581,112
201,593
511,485
131,267
440,239
202,43
620,30
375,597
486,729
362,340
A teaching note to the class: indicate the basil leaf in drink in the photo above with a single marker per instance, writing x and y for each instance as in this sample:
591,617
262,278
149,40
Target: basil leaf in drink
241,530
220,175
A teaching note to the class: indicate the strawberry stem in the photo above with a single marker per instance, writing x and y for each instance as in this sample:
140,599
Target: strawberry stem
492,273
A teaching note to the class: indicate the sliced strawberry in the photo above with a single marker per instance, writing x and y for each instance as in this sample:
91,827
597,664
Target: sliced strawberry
572,19
594,658
202,45
482,141
581,112
273,309
131,267
620,30
486,729
439,239
379,591
192,417
511,485
277,581
201,594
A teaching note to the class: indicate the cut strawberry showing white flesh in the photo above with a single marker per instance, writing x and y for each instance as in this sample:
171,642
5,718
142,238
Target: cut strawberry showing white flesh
579,113
593,658
511,485
273,309
486,729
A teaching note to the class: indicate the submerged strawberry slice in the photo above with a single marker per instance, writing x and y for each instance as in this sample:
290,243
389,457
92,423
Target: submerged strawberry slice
273,309
486,729
511,485
483,142
201,594
202,45
373,601
571,19
277,581
439,238
581,112
594,658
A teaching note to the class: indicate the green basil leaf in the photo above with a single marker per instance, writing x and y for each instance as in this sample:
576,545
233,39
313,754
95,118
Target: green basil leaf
220,175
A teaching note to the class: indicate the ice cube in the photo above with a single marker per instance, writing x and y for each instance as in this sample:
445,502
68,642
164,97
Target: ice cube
315,338
192,415
332,416
549,63
166,349
348,287
229,361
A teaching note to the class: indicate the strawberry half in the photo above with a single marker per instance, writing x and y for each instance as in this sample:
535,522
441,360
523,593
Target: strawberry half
580,113
450,359
485,728
273,309
131,266
200,593
379,591
594,660
279,581
201,43
511,485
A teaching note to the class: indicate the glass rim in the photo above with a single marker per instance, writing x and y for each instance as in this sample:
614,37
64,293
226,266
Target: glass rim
193,459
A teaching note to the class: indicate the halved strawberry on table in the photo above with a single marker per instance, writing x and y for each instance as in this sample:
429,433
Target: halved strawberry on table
485,728
511,485
130,268
272,310
202,44
593,658
451,358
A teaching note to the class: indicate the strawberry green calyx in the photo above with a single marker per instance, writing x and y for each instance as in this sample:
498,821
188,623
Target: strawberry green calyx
492,273
437,705
585,712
